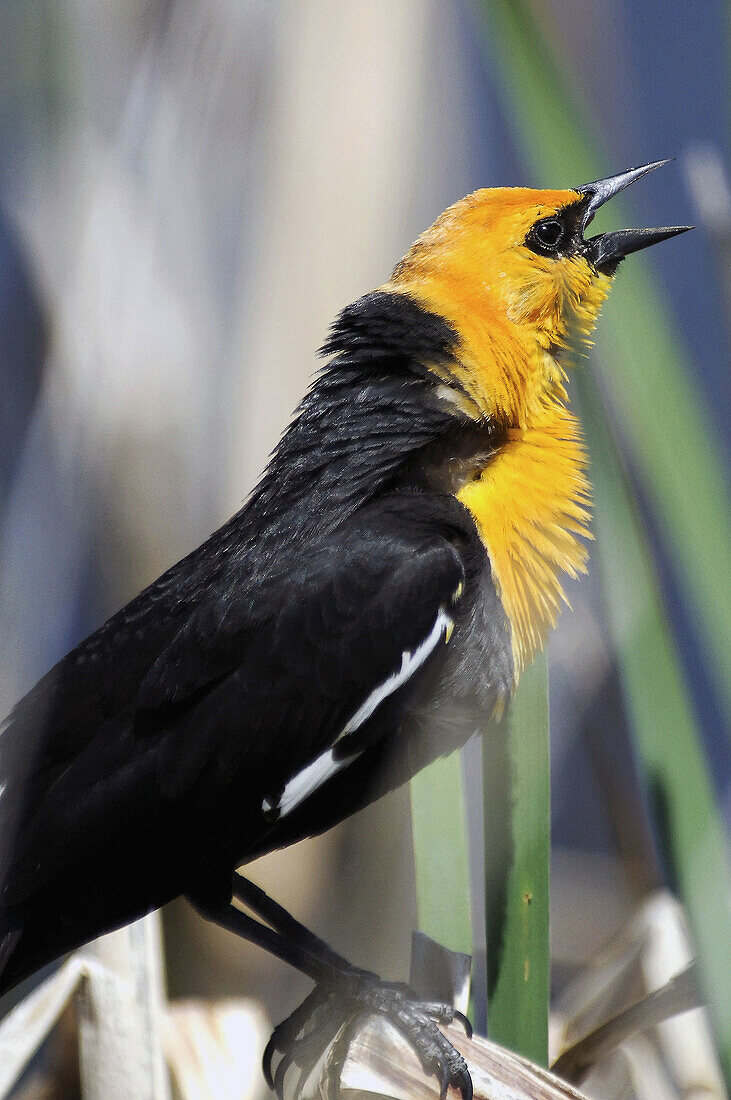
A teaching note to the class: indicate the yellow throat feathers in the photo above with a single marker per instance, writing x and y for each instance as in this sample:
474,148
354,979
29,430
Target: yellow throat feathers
531,505
515,312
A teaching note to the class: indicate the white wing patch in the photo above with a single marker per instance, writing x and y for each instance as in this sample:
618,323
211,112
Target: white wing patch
304,783
325,766
410,662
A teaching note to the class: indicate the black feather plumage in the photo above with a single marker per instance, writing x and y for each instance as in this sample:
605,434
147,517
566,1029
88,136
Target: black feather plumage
150,749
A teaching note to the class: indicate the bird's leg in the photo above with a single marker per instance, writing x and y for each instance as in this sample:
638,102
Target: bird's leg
342,994
254,898
277,916
284,948
269,910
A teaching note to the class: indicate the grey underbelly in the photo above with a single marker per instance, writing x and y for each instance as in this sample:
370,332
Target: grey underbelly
473,684
478,668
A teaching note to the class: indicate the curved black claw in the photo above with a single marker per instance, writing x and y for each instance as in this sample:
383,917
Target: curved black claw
436,1054
284,1036
329,1018
444,1013
464,1021
308,1046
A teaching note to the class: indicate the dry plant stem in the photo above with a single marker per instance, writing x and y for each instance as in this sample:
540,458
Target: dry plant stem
678,995
119,1009
118,987
379,1063
26,1027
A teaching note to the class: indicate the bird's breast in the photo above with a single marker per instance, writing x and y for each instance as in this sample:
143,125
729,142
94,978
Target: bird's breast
530,503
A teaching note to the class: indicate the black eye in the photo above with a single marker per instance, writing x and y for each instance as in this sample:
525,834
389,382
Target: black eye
549,233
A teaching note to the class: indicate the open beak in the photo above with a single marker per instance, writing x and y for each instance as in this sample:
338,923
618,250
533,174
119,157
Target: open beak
607,250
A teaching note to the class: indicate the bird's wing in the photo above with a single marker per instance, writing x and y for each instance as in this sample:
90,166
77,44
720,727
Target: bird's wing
258,698
296,685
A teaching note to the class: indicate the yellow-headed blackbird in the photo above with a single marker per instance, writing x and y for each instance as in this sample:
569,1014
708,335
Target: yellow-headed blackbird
392,573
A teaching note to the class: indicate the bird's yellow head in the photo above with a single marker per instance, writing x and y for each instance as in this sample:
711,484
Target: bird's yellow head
512,298
514,273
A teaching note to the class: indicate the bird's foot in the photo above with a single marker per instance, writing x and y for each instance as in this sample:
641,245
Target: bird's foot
329,1017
